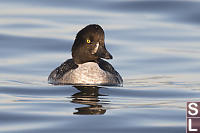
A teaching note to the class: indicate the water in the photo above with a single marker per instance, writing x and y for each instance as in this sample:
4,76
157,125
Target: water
155,45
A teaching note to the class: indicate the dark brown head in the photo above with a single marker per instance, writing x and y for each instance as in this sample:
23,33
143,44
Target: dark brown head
89,45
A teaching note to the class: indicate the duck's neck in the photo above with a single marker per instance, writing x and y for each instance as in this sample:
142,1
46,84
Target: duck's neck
81,60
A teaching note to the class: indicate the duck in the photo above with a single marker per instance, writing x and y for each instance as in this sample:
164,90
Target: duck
87,65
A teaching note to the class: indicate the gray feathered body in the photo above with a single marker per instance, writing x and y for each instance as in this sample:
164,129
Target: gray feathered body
89,73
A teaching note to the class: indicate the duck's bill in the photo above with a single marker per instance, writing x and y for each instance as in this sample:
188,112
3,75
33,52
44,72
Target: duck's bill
103,53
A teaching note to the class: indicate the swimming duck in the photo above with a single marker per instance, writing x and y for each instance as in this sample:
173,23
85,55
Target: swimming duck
87,66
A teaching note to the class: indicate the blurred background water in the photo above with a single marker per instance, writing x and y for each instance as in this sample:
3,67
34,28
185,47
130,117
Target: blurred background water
155,44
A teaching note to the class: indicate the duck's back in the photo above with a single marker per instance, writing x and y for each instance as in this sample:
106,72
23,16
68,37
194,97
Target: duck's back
90,73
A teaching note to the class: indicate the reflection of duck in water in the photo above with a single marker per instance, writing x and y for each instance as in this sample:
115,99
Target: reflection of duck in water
88,95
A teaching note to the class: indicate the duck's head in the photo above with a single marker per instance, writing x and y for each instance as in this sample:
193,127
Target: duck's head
89,45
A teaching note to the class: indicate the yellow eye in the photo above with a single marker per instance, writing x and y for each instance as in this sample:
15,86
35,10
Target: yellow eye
88,41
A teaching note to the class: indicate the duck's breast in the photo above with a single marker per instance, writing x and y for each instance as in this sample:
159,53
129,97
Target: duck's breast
87,73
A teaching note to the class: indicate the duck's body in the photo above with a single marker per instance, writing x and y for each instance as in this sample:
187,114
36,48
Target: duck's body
86,66
89,73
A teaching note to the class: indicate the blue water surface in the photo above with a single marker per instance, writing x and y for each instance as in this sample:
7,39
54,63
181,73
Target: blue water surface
155,45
